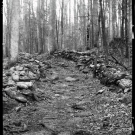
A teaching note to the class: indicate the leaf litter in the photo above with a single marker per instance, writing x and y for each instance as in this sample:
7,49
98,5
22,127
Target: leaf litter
69,104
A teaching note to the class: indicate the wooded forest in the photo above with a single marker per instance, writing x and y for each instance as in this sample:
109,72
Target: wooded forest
67,67
40,26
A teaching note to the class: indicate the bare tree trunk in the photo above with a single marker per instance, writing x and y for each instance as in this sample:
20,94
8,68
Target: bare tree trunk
95,19
89,28
98,32
57,33
126,30
119,20
8,28
52,20
62,20
92,30
14,30
30,48
42,27
103,33
130,22
84,25
110,22
122,25
75,24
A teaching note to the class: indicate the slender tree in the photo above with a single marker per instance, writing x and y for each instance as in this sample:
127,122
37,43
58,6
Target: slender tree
14,30
126,30
103,32
62,23
110,22
52,21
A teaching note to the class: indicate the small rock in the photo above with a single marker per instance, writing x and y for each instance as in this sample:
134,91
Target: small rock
100,91
37,61
91,66
27,92
10,92
12,69
21,99
70,79
31,60
15,77
4,75
18,108
125,83
31,75
19,68
5,99
57,95
22,73
127,90
24,85
11,82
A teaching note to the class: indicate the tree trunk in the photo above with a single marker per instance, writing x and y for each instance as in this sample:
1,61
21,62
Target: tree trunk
122,25
110,23
62,20
52,21
25,27
8,28
14,30
103,33
92,30
130,22
75,24
39,27
57,33
95,19
126,30
42,27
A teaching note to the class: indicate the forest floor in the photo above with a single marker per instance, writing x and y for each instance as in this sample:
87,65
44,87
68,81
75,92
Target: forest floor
71,104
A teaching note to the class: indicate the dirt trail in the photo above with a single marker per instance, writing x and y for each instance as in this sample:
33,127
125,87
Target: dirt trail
71,107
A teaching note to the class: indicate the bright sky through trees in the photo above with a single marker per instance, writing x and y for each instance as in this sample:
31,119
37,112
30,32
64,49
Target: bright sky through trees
58,4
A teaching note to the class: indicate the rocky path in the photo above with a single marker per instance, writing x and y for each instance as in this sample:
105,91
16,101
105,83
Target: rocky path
72,103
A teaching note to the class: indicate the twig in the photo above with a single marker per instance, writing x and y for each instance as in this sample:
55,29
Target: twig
117,62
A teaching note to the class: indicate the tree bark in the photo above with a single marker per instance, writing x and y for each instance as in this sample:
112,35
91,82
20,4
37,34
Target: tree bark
122,25
62,20
110,22
92,27
126,30
52,19
14,30
103,33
